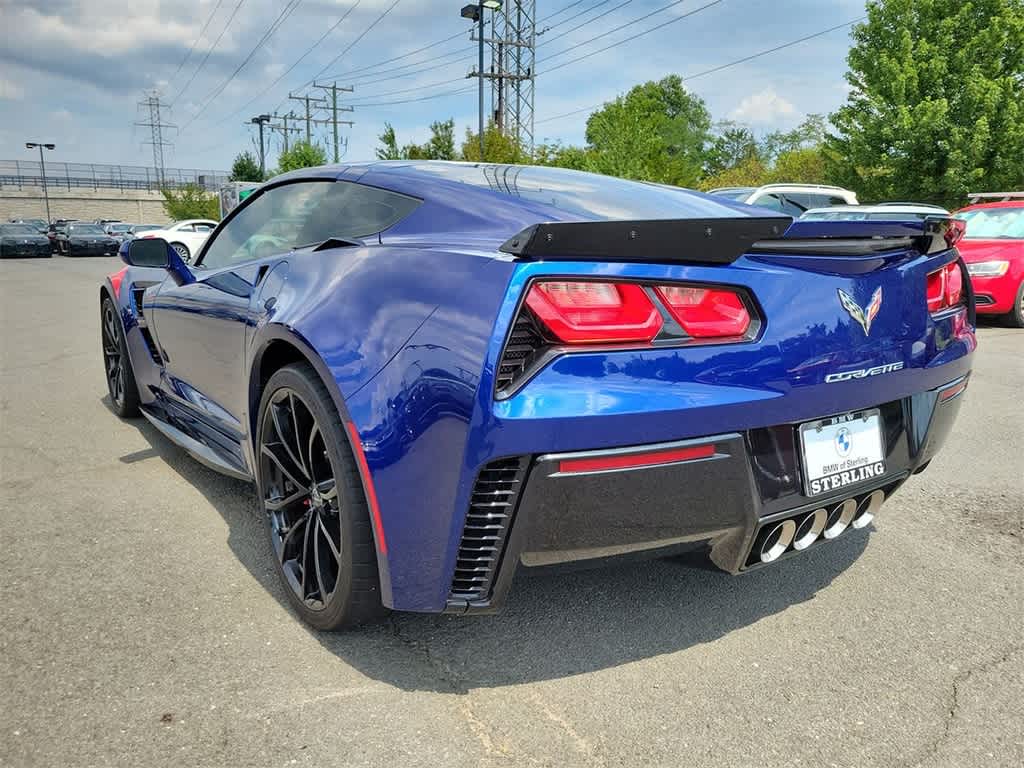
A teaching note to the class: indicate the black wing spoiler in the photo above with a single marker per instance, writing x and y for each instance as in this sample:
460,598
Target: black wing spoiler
723,240
698,241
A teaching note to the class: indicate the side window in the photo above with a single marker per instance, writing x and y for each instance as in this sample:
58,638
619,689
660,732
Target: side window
304,213
202,228
833,200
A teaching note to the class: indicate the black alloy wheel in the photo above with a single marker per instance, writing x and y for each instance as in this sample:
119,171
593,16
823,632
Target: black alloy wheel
124,394
316,512
1015,317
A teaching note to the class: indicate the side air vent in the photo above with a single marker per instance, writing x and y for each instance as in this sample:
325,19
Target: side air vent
524,346
491,508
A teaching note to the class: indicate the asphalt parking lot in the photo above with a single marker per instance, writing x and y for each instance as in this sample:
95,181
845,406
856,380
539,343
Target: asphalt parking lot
143,625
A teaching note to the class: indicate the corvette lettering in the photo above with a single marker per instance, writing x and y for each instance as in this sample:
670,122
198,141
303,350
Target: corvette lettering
863,373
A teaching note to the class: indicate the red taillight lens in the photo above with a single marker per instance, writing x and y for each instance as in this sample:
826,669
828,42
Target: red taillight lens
944,287
954,284
706,313
594,312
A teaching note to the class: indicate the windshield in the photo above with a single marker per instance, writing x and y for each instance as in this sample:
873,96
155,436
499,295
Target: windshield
18,229
120,227
85,229
994,223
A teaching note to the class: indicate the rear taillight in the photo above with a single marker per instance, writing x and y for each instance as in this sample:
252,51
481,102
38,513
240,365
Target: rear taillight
706,313
594,312
944,287
115,281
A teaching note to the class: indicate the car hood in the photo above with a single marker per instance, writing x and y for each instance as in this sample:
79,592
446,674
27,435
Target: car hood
40,239
991,250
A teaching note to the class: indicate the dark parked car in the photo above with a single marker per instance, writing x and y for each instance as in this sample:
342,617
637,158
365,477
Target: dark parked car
78,239
23,240
39,225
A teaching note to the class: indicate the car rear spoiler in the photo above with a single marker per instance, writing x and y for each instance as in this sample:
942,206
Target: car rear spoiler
723,240
698,241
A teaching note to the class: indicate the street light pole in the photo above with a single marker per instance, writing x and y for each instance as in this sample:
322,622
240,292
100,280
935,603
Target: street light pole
476,13
480,73
42,169
260,120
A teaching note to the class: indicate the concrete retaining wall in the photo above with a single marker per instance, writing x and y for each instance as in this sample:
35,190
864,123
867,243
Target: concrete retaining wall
136,206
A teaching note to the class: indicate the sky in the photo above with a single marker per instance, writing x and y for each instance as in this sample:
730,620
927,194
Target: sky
73,71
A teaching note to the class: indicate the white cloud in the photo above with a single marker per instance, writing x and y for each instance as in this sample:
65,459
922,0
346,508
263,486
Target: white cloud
9,90
763,107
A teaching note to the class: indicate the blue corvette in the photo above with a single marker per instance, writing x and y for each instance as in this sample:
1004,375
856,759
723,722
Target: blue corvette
438,372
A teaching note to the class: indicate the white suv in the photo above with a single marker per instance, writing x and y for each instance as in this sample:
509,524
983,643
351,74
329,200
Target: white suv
793,199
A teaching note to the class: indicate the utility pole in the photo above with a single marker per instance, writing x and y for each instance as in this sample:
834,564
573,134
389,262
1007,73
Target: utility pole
309,118
335,109
156,127
283,128
260,120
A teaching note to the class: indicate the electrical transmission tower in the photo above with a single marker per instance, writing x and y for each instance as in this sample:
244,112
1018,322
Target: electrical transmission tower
283,128
309,101
512,71
156,127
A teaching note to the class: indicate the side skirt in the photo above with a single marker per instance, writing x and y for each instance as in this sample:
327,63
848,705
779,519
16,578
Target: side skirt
201,452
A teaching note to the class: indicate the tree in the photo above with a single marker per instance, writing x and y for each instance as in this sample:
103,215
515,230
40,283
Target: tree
190,201
440,146
301,154
936,106
498,147
734,145
246,168
656,132
810,133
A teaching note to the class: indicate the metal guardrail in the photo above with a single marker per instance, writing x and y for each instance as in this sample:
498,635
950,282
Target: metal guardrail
27,173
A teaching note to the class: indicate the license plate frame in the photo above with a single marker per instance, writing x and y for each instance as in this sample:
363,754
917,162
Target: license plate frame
864,457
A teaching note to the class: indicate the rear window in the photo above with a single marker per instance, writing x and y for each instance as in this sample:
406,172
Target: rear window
85,229
994,223
588,195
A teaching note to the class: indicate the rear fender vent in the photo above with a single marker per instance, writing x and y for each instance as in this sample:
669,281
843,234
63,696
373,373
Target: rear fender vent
491,509
524,346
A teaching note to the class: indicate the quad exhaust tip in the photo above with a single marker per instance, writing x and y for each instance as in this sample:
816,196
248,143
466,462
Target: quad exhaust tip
777,541
839,518
809,529
801,531
868,508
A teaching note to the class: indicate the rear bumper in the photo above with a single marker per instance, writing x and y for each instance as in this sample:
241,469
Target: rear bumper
725,490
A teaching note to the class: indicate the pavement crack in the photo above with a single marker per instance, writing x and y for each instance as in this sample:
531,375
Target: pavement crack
931,749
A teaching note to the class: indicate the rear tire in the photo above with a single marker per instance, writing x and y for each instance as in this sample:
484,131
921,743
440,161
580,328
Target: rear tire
121,386
315,510
1015,317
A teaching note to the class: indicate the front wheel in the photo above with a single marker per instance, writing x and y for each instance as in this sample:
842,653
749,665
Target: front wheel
316,512
1015,317
124,393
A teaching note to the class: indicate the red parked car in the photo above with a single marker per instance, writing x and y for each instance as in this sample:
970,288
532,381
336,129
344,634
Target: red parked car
993,248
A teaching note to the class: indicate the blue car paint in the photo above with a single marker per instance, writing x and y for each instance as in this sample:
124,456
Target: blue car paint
407,333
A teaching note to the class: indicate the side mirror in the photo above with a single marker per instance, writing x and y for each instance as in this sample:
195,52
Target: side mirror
155,253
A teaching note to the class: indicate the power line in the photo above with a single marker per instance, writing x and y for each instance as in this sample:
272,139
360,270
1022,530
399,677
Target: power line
208,52
720,67
455,92
349,47
630,23
655,28
588,21
275,25
196,41
297,61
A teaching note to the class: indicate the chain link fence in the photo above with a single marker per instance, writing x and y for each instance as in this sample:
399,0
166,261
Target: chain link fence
26,173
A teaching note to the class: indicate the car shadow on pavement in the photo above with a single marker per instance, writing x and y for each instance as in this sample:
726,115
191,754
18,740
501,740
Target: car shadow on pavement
557,622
